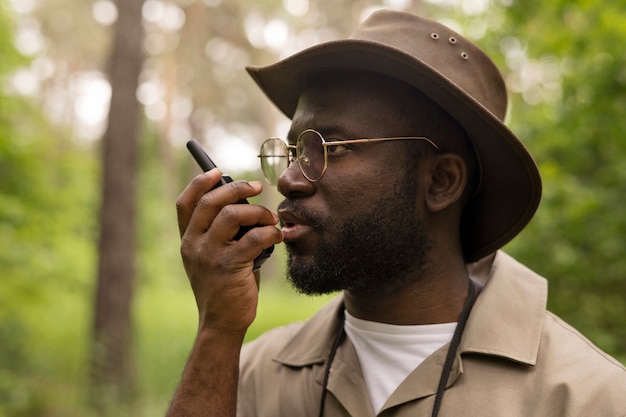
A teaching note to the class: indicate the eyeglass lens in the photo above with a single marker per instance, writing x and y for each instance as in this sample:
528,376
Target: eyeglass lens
310,153
274,157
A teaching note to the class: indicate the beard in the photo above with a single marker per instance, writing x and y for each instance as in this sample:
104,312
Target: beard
376,251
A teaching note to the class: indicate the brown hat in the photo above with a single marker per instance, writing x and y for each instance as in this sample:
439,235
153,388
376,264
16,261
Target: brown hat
457,76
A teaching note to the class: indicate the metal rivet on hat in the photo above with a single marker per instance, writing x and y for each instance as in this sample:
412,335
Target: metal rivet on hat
434,35
452,39
464,55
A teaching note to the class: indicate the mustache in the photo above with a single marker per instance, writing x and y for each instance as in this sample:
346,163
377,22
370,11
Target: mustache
306,214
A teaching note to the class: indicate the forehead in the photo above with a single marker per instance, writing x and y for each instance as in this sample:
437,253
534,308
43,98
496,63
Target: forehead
354,102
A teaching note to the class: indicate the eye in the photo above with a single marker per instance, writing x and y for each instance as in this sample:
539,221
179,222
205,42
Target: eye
336,148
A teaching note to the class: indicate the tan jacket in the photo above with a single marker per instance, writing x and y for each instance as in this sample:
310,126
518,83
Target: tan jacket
515,359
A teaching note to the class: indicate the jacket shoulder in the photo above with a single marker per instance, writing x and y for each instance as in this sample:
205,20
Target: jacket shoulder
268,345
575,347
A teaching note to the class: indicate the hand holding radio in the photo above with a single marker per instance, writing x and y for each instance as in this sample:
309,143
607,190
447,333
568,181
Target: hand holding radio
206,164
224,242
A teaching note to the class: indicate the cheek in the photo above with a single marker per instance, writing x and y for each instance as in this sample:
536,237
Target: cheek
359,191
359,184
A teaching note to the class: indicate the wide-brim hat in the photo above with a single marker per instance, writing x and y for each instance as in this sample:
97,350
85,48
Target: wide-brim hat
457,76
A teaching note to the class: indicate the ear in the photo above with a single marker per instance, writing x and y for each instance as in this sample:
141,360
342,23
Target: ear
448,181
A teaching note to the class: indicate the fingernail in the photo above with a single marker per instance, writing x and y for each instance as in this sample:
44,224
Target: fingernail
211,171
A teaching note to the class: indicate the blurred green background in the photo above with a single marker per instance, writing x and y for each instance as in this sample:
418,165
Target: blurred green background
565,66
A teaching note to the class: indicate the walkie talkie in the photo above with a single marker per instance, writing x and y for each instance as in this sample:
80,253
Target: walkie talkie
206,164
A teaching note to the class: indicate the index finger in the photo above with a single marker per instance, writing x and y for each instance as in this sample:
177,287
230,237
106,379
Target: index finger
188,199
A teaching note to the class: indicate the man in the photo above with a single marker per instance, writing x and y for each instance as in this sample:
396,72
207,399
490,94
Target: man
399,172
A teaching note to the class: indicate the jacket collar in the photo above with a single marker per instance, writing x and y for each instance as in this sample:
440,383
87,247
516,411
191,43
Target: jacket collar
506,321
507,318
312,343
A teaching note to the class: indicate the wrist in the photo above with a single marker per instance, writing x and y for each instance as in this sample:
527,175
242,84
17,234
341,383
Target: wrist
220,336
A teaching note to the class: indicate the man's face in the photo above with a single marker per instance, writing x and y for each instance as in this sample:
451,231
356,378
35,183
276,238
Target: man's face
360,227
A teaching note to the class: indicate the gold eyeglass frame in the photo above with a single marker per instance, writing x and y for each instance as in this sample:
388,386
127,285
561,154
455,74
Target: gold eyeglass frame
325,144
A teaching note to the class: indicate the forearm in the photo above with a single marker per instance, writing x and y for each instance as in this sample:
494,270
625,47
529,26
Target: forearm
208,386
220,271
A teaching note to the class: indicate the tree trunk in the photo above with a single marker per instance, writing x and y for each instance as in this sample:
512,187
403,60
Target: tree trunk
112,379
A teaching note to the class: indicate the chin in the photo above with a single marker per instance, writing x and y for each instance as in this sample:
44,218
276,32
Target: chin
308,278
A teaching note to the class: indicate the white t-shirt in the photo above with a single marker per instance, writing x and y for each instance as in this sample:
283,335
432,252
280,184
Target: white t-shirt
389,353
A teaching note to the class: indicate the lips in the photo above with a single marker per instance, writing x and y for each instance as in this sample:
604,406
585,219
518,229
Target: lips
295,222
293,226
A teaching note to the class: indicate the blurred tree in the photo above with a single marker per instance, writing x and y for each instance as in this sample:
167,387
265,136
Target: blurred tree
112,373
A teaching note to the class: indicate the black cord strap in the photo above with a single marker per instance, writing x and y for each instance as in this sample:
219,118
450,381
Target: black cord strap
454,345
333,351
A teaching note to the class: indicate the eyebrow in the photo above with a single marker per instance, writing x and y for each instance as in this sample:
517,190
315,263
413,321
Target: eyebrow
328,131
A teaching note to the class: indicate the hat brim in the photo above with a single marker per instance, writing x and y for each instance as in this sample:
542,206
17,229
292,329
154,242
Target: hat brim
510,188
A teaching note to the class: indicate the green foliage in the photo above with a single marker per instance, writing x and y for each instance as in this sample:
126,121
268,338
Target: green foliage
577,238
10,57
46,252
46,255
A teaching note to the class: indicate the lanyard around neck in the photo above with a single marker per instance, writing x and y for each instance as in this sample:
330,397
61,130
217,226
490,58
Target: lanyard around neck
447,365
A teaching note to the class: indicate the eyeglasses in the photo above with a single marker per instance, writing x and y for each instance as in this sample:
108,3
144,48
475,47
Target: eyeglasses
311,151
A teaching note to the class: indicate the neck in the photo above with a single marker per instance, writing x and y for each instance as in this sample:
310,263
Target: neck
432,299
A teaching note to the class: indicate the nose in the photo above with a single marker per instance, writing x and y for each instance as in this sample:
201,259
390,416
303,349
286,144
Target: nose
292,183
